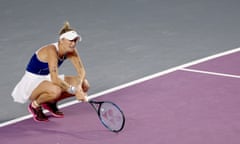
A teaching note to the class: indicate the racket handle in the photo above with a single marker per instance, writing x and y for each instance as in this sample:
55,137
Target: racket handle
86,98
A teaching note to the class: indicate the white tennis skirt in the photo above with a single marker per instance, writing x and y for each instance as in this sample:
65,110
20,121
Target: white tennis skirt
27,84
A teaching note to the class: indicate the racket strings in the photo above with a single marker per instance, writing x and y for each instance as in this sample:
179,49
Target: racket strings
111,116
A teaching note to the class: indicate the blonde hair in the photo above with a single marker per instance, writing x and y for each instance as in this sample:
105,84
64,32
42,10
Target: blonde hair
66,27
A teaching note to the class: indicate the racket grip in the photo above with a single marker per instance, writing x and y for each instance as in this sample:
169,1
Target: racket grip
83,99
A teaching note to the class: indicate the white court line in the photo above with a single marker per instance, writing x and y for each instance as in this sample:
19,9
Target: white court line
131,83
210,73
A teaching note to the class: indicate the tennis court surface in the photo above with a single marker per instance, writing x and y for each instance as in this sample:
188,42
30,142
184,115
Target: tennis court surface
196,103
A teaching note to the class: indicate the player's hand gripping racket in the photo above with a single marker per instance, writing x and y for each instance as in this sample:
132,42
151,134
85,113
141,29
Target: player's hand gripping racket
109,114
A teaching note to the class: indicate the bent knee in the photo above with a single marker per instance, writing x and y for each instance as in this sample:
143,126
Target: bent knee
52,89
55,91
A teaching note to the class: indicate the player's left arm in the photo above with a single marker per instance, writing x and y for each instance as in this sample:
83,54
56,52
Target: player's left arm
77,63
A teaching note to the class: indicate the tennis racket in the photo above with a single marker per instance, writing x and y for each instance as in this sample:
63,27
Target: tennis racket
110,115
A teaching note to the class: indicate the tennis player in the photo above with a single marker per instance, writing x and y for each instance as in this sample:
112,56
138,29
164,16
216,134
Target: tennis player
43,86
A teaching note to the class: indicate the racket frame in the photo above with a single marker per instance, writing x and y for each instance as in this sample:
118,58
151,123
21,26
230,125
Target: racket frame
97,107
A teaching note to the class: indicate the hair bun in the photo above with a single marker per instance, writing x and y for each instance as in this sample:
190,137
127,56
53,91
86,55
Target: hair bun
66,27
67,24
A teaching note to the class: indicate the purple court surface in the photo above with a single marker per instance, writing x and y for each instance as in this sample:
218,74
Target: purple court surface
196,104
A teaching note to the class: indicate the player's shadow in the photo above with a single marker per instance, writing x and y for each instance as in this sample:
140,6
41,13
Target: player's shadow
52,130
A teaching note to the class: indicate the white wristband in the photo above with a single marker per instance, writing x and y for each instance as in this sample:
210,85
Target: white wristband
71,90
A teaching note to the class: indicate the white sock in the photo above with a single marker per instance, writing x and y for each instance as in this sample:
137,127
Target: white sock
35,104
